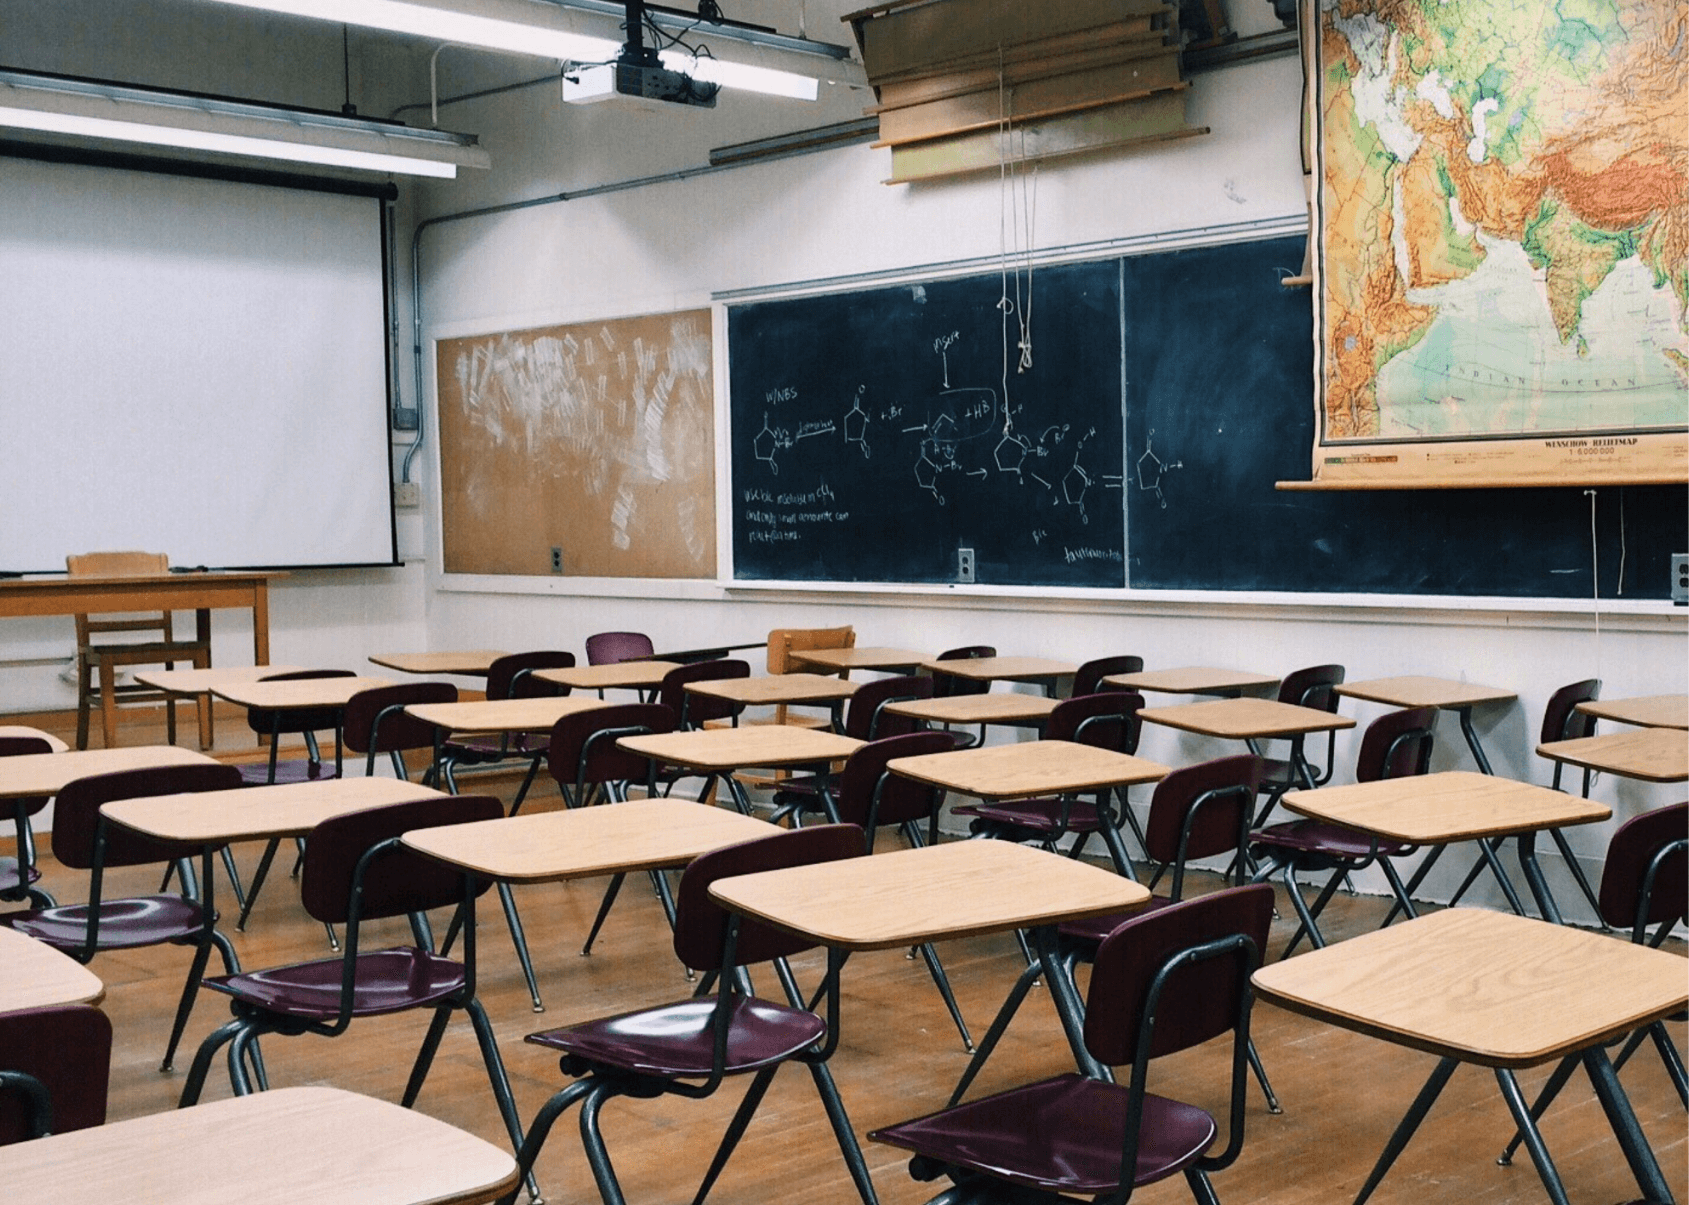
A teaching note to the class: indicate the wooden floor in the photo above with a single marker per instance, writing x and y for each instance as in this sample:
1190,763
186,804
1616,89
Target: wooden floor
900,1055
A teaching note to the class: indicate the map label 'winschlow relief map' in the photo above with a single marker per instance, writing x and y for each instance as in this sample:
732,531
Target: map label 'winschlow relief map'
1503,219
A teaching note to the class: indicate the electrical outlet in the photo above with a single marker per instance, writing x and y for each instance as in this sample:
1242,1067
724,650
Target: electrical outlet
407,495
557,560
1680,578
964,566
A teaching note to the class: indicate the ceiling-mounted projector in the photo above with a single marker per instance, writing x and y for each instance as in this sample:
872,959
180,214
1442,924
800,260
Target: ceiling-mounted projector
637,72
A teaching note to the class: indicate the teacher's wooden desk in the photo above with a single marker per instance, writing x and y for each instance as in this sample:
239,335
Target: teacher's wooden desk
271,1148
198,592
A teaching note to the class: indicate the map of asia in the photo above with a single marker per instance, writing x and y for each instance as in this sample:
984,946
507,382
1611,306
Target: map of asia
1502,270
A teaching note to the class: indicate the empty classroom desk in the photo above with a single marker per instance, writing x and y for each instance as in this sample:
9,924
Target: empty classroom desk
469,663
199,684
1440,693
38,976
280,1147
1192,680
1646,754
1501,991
1651,711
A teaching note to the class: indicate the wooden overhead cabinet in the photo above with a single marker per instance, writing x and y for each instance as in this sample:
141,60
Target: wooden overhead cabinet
967,85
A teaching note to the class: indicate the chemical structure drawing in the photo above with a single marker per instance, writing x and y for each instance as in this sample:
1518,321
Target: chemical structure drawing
856,425
768,441
1151,469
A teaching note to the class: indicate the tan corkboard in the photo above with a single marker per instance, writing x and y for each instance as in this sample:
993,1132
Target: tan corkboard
596,438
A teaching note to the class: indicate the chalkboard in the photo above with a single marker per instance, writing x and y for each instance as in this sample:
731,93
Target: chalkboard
1219,407
876,433
1211,360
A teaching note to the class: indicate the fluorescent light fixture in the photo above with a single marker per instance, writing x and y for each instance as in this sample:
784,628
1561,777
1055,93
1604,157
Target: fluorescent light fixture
226,144
521,28
742,75
541,29
95,109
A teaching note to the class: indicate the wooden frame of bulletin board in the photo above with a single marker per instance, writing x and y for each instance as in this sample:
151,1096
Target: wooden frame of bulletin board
585,449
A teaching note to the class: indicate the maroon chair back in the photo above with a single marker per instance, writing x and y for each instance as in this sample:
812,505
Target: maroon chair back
864,718
1313,687
67,1048
947,686
700,924
398,881
508,676
1107,721
1630,855
1208,806
1396,745
376,721
1088,679
1560,719
23,746
608,648
900,799
265,720
692,710
76,813
1201,1001
582,748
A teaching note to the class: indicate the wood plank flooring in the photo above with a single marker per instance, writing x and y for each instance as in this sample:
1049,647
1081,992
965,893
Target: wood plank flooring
1342,1093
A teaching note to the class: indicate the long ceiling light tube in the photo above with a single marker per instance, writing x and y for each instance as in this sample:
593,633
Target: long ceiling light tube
97,109
546,30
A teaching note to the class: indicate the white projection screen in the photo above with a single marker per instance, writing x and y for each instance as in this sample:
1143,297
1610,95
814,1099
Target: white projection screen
193,366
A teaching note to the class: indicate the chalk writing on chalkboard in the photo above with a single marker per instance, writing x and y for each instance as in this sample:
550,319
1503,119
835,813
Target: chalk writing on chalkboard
875,433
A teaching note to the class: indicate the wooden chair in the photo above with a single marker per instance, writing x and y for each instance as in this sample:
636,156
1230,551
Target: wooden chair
103,658
783,642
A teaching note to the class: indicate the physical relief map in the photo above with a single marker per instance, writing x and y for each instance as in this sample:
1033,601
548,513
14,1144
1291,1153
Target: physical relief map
1504,239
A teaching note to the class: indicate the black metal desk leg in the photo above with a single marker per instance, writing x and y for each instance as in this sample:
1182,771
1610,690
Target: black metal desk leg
1465,714
1533,1136
1066,999
1625,1126
1415,1114
1534,876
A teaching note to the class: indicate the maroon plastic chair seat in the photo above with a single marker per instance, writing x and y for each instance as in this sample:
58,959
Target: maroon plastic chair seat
1320,844
1162,982
388,981
1107,720
82,930
1041,816
1199,811
356,871
690,1047
677,1040
1395,745
147,920
66,1050
1060,1135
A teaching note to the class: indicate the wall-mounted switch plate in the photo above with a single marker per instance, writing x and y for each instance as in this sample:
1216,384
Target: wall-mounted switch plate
964,566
